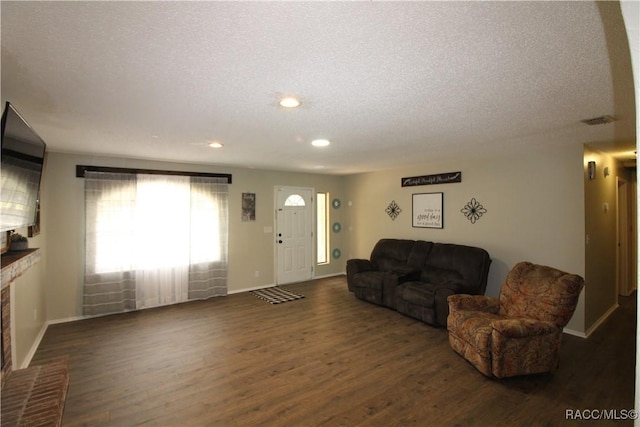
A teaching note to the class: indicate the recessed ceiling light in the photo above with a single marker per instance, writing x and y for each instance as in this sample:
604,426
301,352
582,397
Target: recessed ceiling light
215,144
320,142
289,102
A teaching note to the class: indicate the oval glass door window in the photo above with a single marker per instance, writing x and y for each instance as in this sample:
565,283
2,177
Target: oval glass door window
336,227
336,253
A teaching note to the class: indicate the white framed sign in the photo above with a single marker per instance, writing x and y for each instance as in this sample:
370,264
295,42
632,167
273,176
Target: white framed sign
427,210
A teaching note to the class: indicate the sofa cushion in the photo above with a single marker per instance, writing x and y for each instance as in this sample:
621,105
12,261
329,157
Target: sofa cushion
440,276
416,293
471,263
391,253
390,264
369,279
419,254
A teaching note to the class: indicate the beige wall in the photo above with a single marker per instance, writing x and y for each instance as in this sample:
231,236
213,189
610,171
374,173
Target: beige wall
251,249
28,309
28,313
534,201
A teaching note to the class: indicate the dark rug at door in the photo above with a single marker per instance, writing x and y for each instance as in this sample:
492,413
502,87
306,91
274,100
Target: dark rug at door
276,295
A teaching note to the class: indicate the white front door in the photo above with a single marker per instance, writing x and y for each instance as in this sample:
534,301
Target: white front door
294,234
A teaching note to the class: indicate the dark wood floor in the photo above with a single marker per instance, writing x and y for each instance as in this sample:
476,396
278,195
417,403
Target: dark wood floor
328,359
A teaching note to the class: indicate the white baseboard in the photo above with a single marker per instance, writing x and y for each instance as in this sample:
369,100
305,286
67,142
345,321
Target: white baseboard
239,291
594,326
34,347
271,285
602,319
574,333
330,275
69,319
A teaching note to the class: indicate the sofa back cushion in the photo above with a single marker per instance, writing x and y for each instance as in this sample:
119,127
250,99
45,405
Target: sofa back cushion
391,254
540,292
464,265
437,276
419,254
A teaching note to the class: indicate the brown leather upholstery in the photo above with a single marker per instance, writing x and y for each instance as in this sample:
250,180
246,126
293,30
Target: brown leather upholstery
416,277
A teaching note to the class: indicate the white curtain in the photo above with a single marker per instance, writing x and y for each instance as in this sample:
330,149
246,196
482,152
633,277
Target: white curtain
153,240
162,261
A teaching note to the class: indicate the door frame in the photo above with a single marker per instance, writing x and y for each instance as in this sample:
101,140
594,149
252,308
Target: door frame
312,238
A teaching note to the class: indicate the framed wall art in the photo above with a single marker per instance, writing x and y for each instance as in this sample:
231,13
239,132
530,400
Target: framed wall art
34,229
428,211
248,206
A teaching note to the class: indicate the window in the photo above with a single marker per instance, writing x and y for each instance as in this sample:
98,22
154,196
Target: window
322,224
139,235
295,200
153,240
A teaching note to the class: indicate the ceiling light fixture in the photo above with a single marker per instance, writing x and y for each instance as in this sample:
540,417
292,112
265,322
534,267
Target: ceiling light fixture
289,102
320,142
215,144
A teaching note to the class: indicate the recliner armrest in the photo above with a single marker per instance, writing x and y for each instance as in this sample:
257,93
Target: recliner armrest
474,303
520,328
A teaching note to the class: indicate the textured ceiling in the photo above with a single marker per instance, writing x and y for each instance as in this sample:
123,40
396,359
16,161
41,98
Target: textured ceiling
390,84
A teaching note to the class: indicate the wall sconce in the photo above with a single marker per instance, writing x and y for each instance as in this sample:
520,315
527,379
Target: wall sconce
591,168
606,172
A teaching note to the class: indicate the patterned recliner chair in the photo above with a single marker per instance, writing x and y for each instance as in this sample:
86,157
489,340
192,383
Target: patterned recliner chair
520,332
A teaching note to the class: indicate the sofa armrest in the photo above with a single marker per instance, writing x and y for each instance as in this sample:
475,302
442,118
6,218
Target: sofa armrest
359,265
520,328
441,294
355,266
473,302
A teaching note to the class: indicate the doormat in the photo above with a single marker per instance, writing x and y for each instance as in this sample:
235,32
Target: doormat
276,295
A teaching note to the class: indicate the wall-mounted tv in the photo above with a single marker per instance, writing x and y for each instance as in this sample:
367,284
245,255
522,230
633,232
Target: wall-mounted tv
21,170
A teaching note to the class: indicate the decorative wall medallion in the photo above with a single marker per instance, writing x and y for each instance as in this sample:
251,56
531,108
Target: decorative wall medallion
393,210
473,210
336,253
335,203
336,227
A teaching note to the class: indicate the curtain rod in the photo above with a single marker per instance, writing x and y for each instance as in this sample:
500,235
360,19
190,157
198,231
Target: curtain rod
81,169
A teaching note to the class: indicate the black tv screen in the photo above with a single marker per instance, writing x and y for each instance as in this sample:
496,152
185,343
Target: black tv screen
21,169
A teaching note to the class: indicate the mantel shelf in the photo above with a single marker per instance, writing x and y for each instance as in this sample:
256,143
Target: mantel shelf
15,263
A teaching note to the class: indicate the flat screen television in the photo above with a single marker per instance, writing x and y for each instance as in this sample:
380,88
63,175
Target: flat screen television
21,170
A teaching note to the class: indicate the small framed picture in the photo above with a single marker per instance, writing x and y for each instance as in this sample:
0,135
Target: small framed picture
248,206
427,210
34,229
